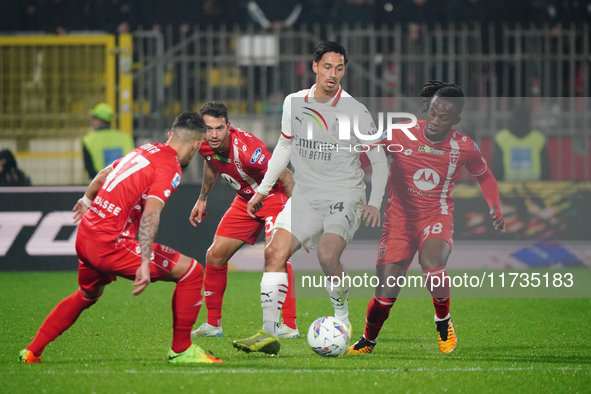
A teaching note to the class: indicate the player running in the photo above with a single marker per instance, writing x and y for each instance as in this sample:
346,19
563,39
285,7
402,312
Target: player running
241,159
419,214
328,201
124,200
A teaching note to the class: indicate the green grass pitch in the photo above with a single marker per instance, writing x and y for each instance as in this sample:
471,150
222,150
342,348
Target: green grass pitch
120,344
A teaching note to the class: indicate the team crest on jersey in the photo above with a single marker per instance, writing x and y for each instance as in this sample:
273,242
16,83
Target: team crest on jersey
176,180
426,179
167,193
256,155
454,156
382,250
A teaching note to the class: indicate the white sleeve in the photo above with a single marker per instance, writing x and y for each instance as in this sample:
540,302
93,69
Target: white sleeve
379,175
286,118
277,164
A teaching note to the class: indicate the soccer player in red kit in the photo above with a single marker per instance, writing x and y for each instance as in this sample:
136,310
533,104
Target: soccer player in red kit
123,201
241,159
419,214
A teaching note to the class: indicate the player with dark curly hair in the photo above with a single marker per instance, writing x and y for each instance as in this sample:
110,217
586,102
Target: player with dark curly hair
419,213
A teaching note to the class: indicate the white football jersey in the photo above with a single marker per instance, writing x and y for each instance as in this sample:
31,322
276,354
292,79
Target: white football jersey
326,142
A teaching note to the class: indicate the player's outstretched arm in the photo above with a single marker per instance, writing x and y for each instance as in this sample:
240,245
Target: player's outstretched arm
490,191
198,212
275,168
146,234
83,204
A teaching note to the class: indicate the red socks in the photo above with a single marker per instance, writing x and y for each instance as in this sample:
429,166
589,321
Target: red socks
289,306
59,320
216,280
439,286
186,303
378,311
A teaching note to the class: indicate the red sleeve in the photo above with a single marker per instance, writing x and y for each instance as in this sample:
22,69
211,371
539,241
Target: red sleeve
476,163
490,190
256,158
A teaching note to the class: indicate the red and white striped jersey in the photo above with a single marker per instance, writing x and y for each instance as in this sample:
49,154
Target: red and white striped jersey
243,165
422,173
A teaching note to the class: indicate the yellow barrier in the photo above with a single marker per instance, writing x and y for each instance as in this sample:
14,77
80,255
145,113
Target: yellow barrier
48,85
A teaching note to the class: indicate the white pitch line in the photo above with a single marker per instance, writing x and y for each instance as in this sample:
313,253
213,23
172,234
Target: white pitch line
309,371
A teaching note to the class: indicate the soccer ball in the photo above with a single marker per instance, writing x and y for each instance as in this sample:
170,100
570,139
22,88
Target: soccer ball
327,336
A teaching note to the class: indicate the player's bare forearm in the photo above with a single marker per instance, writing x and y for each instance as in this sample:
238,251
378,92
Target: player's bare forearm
146,234
287,180
209,177
92,190
97,182
198,212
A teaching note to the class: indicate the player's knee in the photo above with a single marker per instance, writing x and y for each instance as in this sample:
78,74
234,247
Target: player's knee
430,263
194,274
215,257
275,258
89,298
327,258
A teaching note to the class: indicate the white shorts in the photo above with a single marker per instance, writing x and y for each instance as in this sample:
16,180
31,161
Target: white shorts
308,220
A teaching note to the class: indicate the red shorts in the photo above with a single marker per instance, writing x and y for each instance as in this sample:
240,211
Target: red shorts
237,223
100,262
403,237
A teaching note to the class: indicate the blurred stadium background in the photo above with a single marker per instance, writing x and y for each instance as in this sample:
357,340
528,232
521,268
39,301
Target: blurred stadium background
177,57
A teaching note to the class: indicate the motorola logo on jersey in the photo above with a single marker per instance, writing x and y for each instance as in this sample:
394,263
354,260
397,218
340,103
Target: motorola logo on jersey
426,179
231,181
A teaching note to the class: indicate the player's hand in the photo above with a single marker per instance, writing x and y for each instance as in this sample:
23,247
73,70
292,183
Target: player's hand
79,210
142,279
198,212
498,220
371,215
255,204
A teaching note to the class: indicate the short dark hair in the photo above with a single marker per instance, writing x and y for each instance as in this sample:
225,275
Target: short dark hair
216,110
329,46
189,121
442,89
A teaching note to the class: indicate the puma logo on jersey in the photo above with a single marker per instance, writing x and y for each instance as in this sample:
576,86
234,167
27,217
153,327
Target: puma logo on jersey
267,294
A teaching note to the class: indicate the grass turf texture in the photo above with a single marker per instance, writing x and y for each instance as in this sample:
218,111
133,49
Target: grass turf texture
120,344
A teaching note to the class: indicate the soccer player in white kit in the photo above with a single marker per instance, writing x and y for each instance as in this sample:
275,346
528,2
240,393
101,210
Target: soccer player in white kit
323,131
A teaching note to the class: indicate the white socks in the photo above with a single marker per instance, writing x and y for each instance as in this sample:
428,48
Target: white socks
273,292
339,297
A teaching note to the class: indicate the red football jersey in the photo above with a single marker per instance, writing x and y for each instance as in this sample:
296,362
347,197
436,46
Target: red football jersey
243,165
151,170
422,173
